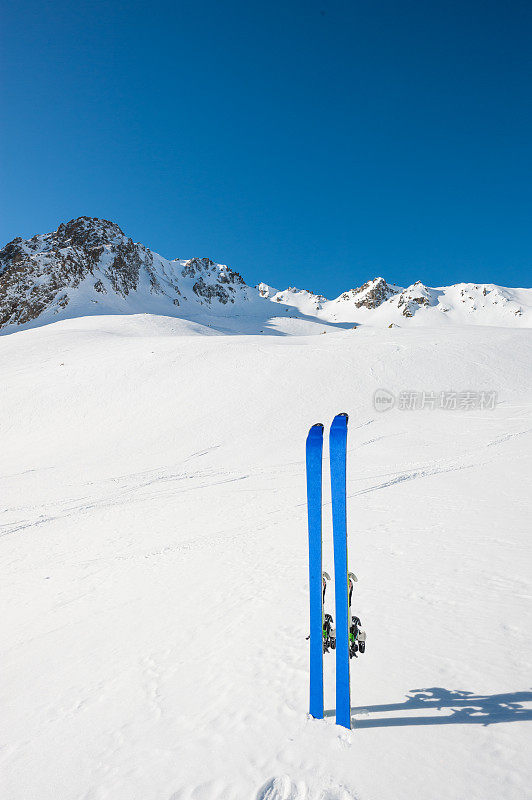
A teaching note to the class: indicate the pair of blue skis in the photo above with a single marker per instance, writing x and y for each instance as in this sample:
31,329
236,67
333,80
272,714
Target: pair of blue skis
338,452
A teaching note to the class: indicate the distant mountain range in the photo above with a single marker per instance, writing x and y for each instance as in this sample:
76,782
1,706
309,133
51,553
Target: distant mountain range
89,267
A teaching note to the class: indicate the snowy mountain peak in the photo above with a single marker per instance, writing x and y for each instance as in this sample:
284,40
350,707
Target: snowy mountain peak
371,294
89,266
87,231
414,297
266,291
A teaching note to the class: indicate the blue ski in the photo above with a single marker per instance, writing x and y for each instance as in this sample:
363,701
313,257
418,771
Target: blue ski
338,451
314,469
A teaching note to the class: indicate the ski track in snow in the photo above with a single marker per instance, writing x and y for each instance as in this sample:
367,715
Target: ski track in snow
131,492
154,560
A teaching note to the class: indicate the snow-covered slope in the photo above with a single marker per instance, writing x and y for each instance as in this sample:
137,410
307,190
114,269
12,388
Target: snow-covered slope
88,267
154,563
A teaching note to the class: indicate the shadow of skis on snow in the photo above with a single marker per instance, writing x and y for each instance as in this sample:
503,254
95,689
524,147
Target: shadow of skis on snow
466,708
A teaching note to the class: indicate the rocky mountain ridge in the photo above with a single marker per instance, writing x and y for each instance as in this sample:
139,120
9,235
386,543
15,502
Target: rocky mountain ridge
45,273
89,266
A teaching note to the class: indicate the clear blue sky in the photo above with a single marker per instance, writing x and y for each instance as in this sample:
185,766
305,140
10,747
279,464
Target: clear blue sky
317,143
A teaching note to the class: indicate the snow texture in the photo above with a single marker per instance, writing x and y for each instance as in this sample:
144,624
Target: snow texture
154,551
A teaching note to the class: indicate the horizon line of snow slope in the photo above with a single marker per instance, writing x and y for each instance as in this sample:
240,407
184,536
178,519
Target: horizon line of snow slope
155,564
89,266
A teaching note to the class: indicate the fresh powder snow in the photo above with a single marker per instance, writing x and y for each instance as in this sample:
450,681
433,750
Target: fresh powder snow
155,555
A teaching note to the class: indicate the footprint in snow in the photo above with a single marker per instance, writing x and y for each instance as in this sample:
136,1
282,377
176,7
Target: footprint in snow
282,788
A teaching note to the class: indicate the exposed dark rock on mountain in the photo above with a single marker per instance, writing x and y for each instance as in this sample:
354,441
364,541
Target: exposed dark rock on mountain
90,260
372,294
88,266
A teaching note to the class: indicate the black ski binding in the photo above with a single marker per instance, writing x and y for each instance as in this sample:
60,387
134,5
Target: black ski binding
329,634
357,638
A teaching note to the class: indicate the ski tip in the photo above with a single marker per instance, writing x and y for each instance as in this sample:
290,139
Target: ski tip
340,420
317,428
315,438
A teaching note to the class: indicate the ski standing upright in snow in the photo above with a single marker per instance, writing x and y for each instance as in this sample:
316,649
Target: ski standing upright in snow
314,450
338,453
348,639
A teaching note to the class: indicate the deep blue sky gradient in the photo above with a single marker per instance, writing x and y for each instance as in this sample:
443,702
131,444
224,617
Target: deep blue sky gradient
318,143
